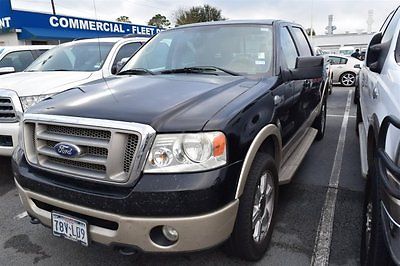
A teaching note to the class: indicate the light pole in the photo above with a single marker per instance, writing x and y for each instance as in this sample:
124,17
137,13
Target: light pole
311,26
53,7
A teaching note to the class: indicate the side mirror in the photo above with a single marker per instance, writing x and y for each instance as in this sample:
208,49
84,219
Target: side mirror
375,53
117,67
6,70
357,66
307,67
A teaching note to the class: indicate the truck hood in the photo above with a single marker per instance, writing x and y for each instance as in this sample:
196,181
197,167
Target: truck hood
168,103
37,83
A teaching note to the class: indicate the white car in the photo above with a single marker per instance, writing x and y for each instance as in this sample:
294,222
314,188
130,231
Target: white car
378,120
17,58
344,69
63,67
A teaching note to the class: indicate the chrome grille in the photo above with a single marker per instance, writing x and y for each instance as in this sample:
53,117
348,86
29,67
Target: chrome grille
107,155
79,132
7,111
130,152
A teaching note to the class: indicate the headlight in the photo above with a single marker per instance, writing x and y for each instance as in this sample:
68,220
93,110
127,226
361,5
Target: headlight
28,101
186,152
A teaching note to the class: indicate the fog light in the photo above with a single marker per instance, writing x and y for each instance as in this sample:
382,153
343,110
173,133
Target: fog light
170,233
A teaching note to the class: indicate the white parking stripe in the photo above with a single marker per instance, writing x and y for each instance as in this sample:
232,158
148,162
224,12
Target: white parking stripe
20,216
324,233
350,116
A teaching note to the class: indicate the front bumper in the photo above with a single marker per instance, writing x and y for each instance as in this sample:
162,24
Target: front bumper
195,232
8,132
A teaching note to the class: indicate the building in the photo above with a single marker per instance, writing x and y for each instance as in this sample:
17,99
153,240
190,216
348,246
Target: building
18,27
332,43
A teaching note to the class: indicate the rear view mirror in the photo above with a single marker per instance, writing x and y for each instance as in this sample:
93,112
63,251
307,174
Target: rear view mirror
6,70
307,67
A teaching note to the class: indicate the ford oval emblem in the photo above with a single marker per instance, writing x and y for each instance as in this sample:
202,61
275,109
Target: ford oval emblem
67,150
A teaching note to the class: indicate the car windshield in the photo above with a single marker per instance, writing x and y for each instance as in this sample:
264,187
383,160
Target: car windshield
76,56
227,49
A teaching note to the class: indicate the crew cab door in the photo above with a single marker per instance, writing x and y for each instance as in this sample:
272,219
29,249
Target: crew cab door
309,90
285,102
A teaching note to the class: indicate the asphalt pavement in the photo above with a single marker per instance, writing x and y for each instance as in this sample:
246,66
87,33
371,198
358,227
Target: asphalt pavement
301,204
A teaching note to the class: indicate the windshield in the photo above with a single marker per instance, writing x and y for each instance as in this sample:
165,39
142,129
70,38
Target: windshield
244,49
73,57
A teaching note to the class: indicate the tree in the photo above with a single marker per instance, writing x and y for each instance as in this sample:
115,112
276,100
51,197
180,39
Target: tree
308,31
124,19
159,21
197,14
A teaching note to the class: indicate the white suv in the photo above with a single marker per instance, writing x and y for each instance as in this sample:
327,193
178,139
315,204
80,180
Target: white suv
63,67
378,114
17,58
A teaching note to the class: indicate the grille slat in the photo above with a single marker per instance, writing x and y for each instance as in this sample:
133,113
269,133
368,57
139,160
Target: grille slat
106,155
7,112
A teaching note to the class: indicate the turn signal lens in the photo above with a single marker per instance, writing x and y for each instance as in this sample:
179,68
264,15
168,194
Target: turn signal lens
219,145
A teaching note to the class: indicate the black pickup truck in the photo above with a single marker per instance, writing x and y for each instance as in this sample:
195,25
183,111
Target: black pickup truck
184,149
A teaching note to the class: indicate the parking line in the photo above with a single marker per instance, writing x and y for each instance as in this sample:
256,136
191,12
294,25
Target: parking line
20,216
350,116
324,233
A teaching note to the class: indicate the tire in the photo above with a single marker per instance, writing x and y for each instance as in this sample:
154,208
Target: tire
348,79
244,241
373,247
356,95
320,122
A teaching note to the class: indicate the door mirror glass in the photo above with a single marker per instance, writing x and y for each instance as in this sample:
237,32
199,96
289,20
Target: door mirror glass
6,70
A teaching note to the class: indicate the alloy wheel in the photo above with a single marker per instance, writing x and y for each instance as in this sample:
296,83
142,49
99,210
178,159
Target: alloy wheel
263,207
348,79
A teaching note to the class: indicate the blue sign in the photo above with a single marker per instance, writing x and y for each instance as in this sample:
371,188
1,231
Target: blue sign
31,25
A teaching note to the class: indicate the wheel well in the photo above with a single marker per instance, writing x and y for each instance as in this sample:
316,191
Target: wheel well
270,146
351,72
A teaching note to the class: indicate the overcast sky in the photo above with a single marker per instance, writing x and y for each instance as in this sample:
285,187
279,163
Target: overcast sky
349,15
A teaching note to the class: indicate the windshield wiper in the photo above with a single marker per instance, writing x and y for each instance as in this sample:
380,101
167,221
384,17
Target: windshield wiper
199,69
136,71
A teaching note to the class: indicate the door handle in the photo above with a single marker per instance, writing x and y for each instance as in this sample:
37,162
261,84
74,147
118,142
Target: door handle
375,93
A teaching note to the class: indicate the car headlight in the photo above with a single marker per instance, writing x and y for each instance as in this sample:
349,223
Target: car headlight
28,101
186,152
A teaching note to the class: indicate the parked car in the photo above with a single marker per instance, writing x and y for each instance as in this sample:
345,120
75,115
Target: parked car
346,50
17,58
378,114
344,69
185,148
64,67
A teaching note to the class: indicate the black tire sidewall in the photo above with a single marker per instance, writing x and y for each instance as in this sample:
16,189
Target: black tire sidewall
318,123
242,236
377,252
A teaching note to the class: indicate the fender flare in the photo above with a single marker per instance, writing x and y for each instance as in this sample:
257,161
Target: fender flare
270,130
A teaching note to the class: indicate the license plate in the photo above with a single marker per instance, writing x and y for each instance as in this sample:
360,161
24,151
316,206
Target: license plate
71,228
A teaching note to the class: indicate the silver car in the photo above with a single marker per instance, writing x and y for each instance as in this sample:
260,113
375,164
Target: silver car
344,69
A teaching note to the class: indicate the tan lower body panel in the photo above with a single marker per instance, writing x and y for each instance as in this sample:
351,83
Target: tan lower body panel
195,232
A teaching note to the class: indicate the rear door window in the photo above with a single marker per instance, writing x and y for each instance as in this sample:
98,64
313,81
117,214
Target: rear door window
302,42
19,60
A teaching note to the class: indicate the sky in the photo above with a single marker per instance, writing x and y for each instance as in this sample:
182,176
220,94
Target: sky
349,15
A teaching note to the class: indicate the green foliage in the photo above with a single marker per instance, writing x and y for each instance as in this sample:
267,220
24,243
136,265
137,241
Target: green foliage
197,14
124,19
159,21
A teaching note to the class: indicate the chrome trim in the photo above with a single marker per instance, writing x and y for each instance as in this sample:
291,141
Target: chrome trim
145,133
16,103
